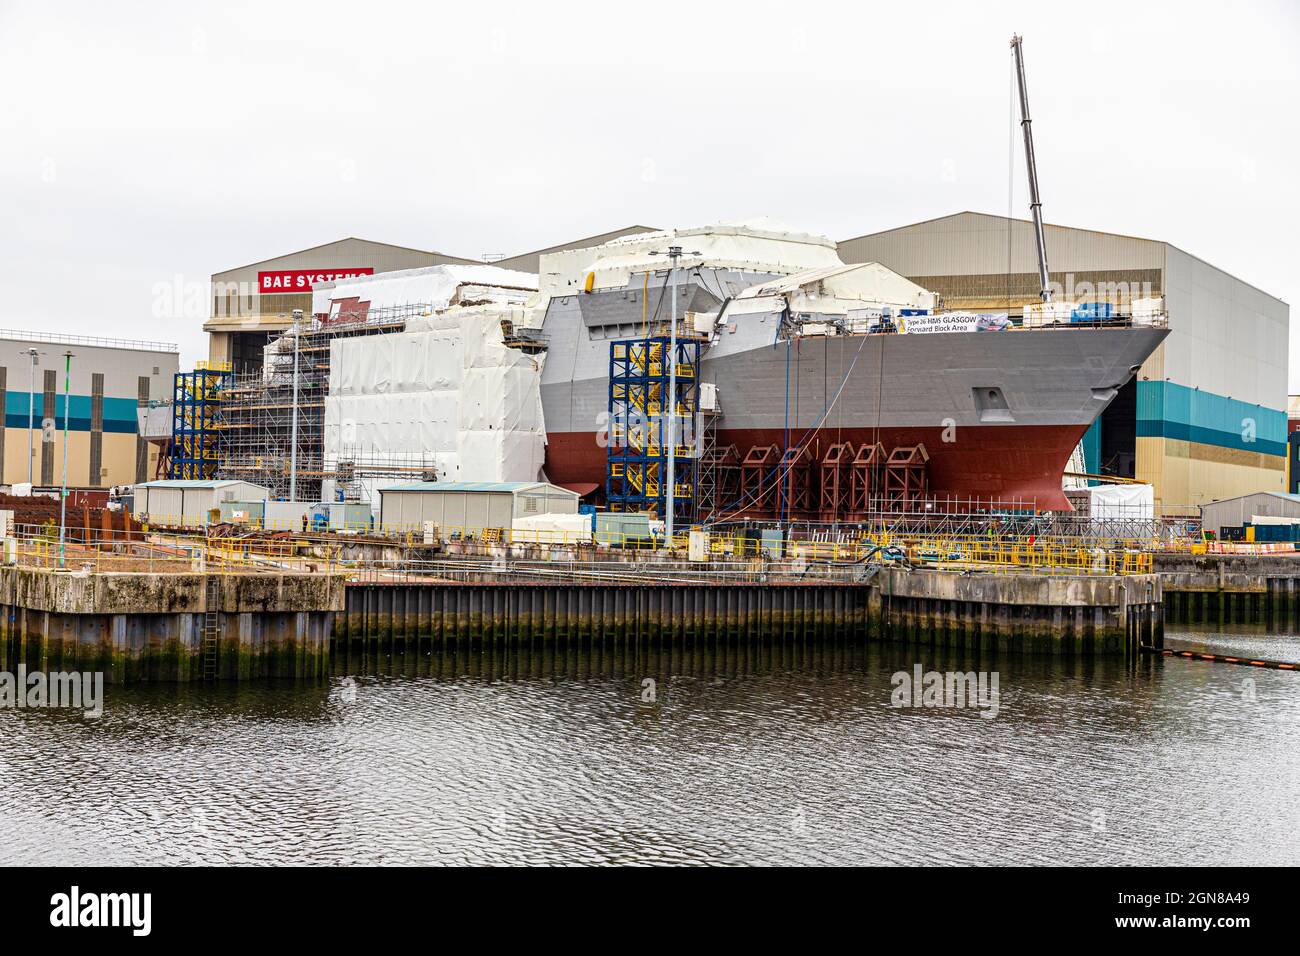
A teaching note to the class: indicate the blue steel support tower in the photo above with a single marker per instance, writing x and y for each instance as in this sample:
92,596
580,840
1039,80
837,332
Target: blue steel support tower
637,457
196,395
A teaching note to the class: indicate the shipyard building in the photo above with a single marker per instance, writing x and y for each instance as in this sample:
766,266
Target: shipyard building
112,381
1205,418
254,303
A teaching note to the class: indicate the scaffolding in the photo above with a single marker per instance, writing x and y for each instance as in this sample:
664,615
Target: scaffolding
957,516
354,468
196,398
717,476
260,441
718,482
640,406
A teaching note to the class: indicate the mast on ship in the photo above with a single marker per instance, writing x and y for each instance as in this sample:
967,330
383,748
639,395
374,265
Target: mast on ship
1035,204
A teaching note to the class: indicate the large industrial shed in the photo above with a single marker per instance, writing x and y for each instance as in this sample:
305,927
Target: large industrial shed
109,380
1234,512
255,302
1205,417
252,302
470,506
188,503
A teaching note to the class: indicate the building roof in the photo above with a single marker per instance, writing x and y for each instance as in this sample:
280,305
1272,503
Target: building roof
94,341
1055,225
993,215
335,242
461,260
507,487
193,483
1292,499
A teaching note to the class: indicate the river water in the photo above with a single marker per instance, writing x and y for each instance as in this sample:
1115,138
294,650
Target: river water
758,756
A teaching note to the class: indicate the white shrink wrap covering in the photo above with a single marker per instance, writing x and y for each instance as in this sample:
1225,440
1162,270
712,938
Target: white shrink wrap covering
1148,311
436,287
1131,502
552,529
448,391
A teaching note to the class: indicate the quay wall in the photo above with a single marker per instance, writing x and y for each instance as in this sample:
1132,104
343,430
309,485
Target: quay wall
168,627
1216,589
186,627
996,613
1023,614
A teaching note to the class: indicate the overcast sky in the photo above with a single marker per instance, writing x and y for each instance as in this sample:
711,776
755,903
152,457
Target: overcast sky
146,145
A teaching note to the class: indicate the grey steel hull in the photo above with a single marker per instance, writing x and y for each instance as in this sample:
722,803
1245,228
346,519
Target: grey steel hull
999,412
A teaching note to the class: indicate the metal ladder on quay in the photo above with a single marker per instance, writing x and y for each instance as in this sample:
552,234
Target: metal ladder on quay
209,637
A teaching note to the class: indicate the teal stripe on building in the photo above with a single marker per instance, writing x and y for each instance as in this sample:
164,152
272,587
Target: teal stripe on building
119,413
1170,410
1092,449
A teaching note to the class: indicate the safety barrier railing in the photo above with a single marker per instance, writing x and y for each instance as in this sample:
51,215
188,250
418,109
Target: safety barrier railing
167,554
57,338
1008,555
972,553
806,541
593,572
1116,320
166,548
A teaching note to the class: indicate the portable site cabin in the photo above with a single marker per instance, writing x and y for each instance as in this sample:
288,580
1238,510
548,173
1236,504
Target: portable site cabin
1248,509
187,503
470,506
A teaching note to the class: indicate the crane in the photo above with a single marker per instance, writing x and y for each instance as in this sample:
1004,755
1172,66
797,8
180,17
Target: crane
1035,203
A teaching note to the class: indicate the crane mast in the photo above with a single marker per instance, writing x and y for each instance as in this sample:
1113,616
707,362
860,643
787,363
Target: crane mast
1035,203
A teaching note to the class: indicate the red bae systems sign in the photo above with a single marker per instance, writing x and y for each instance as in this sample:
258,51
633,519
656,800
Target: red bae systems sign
288,281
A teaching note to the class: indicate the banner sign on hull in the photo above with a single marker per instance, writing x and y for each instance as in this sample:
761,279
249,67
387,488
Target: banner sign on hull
955,322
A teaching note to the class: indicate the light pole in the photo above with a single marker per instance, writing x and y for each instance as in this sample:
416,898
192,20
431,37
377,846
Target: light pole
63,498
674,253
32,354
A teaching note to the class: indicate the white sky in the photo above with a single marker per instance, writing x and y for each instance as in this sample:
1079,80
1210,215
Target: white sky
145,144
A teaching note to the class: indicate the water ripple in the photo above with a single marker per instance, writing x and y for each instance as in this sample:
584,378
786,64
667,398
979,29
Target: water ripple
753,757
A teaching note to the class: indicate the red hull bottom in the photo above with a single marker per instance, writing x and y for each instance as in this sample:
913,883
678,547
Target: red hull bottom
1004,463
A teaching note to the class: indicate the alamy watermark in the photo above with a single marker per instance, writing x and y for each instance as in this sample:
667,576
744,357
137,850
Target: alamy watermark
946,689
1116,293
75,908
57,690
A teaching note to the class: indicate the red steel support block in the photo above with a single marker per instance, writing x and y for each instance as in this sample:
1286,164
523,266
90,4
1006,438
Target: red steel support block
798,465
836,475
906,480
865,481
758,481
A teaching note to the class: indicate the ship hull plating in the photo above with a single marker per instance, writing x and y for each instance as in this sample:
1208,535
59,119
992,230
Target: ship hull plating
998,412
1004,464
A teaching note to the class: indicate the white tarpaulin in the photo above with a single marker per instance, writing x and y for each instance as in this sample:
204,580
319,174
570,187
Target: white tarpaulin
1122,501
435,286
552,528
446,392
1148,311
1266,519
